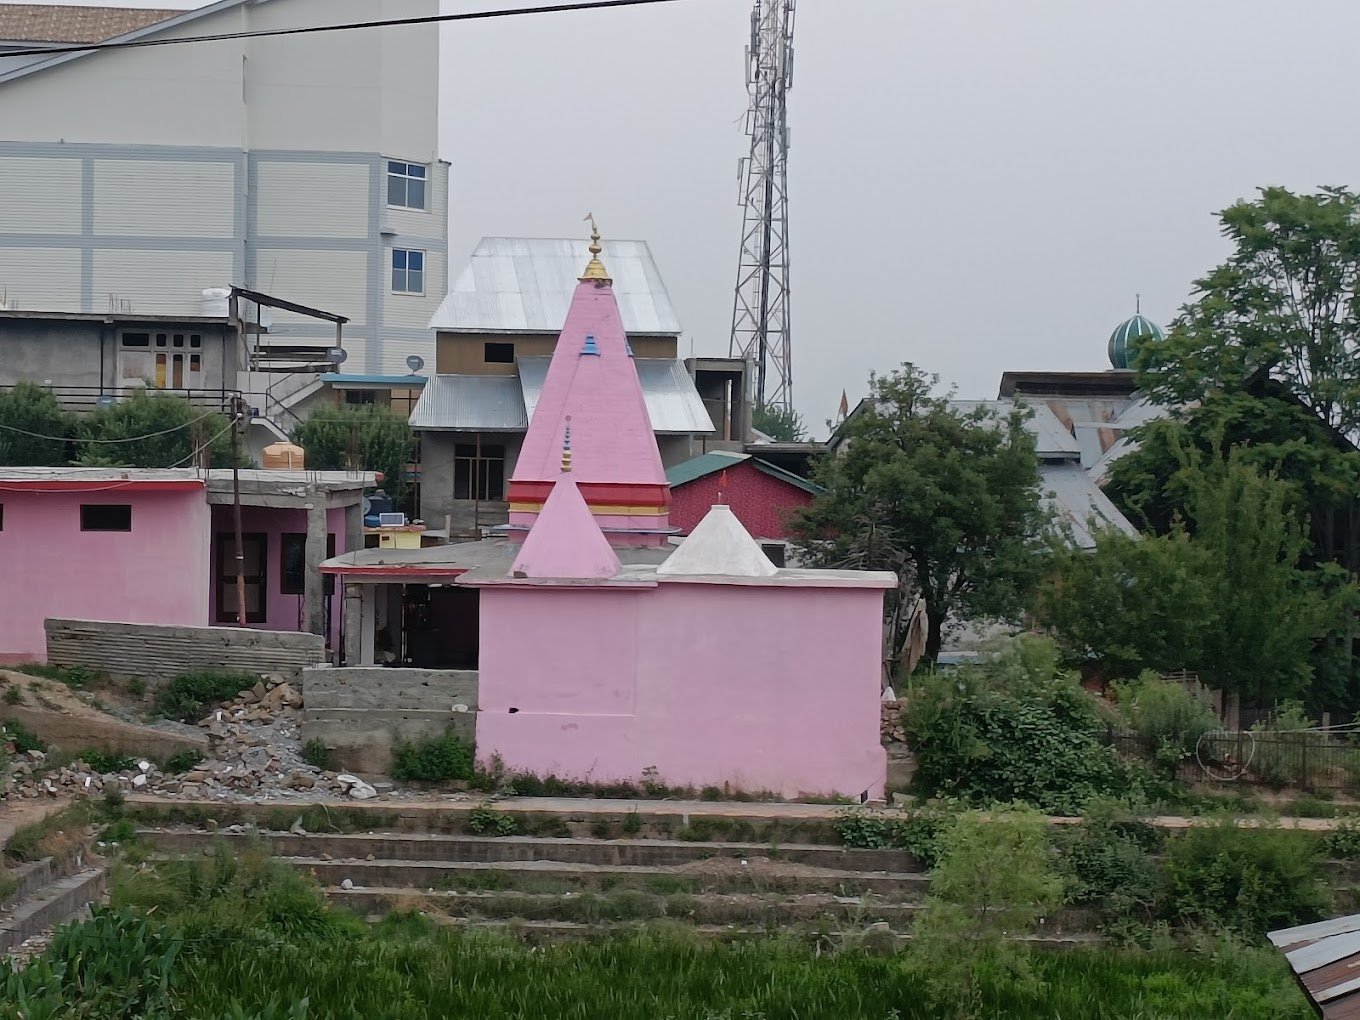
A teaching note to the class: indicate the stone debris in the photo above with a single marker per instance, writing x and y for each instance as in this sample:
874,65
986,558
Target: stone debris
891,722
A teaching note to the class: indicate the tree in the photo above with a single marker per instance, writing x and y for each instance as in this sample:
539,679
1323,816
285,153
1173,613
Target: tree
1223,593
359,438
29,412
1286,302
782,424
154,430
947,500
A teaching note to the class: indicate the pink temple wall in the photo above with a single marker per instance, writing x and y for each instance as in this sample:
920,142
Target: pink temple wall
764,688
157,573
282,612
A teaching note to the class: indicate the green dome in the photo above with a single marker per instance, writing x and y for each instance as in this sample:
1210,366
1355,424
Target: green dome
1125,340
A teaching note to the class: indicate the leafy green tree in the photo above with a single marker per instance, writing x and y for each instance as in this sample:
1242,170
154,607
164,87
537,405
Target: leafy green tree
27,413
1223,593
154,430
948,500
1285,302
782,424
994,881
359,438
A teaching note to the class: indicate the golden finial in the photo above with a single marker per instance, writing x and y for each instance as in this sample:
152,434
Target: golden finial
595,271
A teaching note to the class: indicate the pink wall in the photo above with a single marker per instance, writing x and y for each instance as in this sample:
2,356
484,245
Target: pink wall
156,573
766,688
282,612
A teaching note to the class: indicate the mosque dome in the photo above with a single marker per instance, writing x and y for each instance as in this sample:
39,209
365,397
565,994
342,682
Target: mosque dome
1125,340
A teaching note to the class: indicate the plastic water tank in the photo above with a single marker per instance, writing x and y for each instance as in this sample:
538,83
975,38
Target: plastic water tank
284,457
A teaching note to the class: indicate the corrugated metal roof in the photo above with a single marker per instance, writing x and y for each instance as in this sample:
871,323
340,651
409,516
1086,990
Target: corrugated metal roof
525,285
64,24
1079,504
1324,958
720,460
1052,440
471,403
673,404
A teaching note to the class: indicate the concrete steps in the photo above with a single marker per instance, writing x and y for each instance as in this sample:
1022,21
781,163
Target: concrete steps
49,905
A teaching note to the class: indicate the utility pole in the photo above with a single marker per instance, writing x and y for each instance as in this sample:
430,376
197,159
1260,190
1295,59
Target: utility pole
237,417
760,318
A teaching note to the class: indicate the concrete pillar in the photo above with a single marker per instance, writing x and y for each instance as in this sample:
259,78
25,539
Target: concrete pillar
313,595
368,622
354,627
354,527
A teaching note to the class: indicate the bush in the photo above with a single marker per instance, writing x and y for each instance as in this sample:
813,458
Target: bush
918,834
188,697
1249,881
485,821
1013,729
183,761
34,409
1288,751
1107,862
105,763
177,434
23,739
316,754
433,760
1167,714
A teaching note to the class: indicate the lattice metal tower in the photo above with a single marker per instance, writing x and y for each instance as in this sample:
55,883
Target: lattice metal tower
760,319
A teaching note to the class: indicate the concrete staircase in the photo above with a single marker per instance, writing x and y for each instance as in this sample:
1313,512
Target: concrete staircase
45,899
559,887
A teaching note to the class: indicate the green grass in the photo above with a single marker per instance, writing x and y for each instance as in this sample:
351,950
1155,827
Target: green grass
188,697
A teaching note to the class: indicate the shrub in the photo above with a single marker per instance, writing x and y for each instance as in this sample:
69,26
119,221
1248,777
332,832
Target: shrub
316,754
188,697
183,761
486,821
104,763
1343,842
1107,861
1169,715
1288,750
23,739
918,833
433,760
14,695
1013,729
1248,881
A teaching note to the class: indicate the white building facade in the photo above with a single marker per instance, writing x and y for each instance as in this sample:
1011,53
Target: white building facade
303,166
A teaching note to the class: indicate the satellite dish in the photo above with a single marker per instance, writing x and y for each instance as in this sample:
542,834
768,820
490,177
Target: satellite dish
368,506
337,355
415,363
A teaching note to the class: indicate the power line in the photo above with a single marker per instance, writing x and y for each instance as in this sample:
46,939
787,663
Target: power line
581,5
125,439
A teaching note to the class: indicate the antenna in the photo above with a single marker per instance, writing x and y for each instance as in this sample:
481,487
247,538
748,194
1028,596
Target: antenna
760,316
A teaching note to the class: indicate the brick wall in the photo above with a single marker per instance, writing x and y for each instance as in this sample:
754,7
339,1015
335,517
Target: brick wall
759,501
162,653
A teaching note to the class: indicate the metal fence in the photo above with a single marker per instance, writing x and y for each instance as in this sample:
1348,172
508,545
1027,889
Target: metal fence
1315,759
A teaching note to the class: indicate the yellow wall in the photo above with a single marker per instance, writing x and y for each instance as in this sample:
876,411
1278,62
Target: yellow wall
465,353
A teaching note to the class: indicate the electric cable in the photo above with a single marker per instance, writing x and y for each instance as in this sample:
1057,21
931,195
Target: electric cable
128,44
125,439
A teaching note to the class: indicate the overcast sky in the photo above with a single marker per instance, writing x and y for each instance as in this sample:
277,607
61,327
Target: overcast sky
977,185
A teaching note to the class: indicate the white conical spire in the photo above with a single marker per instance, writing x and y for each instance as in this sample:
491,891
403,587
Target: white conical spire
719,546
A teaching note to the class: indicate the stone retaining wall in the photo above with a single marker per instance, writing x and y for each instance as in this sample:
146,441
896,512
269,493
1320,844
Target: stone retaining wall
360,713
141,650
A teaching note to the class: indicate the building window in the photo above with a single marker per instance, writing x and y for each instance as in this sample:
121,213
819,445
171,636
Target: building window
361,397
165,361
254,567
408,271
105,517
774,552
293,564
406,185
499,354
485,465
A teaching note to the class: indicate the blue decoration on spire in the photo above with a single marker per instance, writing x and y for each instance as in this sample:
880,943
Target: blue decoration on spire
590,347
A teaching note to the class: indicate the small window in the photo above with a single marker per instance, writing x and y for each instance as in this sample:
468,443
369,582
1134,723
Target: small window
361,397
136,339
195,339
293,564
408,271
774,551
406,185
162,340
478,473
500,354
254,571
105,517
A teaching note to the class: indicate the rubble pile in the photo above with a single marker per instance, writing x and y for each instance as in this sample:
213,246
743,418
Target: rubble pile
890,722
254,751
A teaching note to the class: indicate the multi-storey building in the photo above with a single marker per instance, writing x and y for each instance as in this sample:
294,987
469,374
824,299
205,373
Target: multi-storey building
131,181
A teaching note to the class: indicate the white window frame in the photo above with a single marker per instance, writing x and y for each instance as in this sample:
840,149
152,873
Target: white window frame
407,270
404,171
179,349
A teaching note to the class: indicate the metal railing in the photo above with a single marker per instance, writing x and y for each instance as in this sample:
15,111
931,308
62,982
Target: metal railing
1314,759
85,399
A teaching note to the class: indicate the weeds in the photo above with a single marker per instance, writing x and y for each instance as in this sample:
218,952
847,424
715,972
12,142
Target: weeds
433,759
21,737
183,761
104,763
188,697
486,821
14,695
316,754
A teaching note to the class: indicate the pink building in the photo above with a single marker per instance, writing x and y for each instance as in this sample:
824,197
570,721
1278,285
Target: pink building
158,547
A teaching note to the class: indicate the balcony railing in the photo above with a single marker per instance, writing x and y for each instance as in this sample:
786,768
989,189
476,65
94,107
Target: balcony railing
85,399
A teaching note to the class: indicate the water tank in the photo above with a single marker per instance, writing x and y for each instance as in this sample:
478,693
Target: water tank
284,457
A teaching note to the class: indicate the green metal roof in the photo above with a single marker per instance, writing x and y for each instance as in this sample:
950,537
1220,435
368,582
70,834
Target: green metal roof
721,460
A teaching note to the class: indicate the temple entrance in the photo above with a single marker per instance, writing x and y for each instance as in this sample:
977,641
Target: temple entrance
440,626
